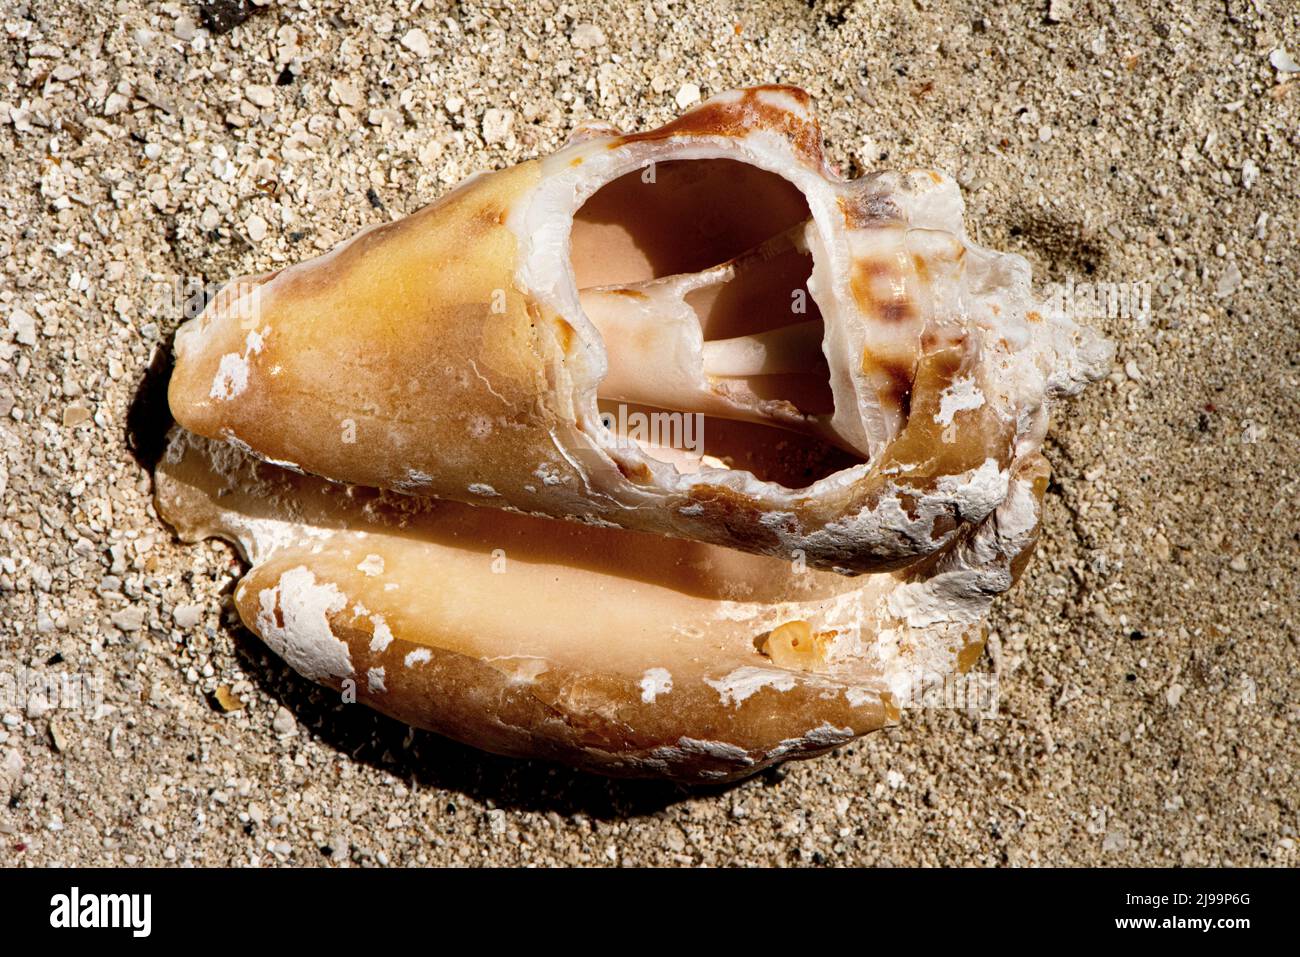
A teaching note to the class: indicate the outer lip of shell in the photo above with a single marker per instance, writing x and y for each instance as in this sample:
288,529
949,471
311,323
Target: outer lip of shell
317,595
323,557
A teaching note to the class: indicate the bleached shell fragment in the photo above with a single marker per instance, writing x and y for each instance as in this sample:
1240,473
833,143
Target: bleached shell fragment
654,682
294,620
232,377
962,394
738,685
232,372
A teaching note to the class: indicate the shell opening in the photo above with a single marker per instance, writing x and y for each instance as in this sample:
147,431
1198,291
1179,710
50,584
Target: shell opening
695,274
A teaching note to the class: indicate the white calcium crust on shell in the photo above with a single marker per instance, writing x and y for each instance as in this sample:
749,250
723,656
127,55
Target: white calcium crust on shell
293,619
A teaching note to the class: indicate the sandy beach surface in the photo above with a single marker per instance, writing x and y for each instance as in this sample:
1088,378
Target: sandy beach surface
1150,706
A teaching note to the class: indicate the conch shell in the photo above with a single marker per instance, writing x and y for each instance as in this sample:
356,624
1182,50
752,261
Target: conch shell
871,389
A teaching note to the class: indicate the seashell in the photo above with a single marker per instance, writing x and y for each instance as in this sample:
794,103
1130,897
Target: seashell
461,352
859,394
